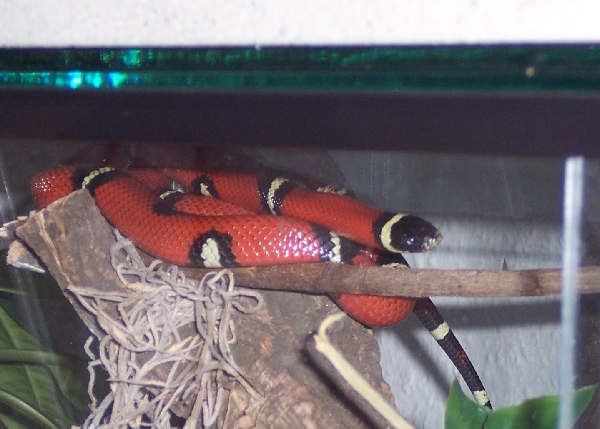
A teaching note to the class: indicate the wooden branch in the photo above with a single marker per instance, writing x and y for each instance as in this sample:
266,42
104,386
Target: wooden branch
334,278
349,380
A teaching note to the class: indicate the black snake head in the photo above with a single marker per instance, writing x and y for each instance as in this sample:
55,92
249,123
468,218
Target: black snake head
406,233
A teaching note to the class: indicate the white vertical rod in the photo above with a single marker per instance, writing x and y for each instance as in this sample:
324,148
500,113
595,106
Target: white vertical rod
572,212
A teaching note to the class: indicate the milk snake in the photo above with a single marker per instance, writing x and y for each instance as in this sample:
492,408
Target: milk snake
222,219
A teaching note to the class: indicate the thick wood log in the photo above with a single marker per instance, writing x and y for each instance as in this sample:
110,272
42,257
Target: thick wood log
72,240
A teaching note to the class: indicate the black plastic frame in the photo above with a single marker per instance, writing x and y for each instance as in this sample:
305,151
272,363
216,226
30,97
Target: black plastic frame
467,123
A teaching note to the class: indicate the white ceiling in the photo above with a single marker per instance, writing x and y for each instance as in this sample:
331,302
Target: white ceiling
289,22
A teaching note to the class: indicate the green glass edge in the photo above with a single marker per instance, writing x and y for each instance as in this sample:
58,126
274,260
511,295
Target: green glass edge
470,68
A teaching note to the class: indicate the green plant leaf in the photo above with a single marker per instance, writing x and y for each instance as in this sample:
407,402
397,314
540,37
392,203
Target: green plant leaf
10,289
68,372
30,390
462,412
23,409
538,413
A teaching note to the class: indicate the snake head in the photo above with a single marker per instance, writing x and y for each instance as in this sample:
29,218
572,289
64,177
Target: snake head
406,233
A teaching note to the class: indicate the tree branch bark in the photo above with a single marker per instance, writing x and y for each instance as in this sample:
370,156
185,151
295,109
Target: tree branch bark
334,278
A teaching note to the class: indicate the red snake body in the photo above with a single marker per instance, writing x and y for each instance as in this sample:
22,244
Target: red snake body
230,225
227,220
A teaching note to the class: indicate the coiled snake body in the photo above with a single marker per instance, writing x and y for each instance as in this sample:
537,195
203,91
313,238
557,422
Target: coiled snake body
232,220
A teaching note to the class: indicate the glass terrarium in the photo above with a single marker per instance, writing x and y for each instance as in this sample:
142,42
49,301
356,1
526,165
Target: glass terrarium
476,140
